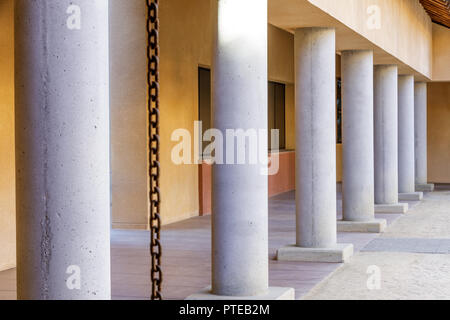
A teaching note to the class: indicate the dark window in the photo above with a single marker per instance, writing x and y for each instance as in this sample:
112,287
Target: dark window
204,103
276,106
277,109
339,110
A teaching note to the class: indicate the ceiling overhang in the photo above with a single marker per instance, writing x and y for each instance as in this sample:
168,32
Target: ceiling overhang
291,14
438,10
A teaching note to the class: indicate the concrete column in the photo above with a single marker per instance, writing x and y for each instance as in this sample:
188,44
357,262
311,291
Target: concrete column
240,191
358,152
406,170
386,140
315,64
62,149
420,116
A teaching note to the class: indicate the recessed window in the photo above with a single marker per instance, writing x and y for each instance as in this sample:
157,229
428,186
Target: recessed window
277,112
276,108
339,110
204,104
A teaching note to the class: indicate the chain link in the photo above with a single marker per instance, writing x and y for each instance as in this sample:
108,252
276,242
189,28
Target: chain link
153,149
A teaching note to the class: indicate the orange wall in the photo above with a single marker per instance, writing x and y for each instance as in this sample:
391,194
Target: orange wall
439,132
7,158
284,180
205,182
441,53
186,44
128,105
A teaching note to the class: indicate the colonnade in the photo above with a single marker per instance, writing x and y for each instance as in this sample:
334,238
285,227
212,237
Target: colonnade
63,150
381,151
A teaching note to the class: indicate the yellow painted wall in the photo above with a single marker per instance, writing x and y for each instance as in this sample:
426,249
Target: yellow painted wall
186,44
290,116
281,69
281,55
439,132
441,53
128,96
7,158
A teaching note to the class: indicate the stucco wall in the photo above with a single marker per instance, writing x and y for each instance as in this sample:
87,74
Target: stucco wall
290,116
281,55
439,132
128,94
186,44
7,166
441,53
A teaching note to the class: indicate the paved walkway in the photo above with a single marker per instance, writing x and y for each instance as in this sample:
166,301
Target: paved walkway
187,262
187,255
410,261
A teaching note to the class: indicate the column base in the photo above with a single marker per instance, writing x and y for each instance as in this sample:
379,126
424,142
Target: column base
274,293
396,208
373,226
338,254
413,196
429,187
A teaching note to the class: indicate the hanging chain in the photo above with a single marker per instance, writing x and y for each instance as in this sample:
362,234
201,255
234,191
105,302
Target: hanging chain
153,132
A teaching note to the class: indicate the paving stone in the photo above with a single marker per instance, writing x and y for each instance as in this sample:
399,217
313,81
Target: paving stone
409,245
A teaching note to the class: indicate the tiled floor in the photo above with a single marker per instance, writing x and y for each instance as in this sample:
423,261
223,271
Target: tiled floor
187,261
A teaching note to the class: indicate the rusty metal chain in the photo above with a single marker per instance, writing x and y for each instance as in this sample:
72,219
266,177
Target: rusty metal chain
154,143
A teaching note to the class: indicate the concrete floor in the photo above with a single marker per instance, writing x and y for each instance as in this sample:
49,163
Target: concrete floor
187,261
412,258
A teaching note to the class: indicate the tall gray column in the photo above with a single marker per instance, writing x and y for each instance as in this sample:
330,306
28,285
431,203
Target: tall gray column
240,264
62,149
240,191
315,137
315,78
358,205
386,140
386,134
420,131
406,157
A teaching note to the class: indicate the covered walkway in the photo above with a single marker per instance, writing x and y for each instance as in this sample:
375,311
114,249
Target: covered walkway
187,251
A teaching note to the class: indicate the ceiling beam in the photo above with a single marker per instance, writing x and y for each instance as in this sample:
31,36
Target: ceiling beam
438,10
